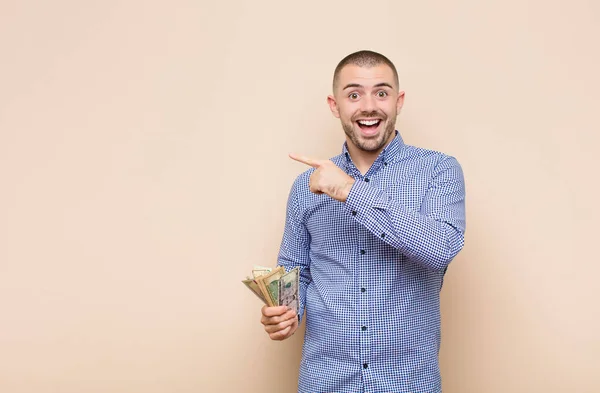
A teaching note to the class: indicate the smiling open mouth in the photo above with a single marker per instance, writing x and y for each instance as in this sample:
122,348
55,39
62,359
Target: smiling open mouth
368,125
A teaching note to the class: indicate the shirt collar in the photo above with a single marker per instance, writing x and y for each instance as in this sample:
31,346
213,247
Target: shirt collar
387,155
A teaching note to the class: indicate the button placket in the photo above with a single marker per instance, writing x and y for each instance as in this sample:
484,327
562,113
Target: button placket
364,317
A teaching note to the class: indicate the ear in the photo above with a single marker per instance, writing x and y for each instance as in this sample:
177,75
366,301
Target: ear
400,101
333,106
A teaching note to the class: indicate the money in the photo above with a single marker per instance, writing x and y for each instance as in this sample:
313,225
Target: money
253,286
258,271
275,287
258,267
268,283
289,285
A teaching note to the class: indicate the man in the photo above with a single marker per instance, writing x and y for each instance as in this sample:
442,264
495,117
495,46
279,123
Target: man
373,231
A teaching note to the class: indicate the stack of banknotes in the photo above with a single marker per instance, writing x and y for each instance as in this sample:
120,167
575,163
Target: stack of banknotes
275,287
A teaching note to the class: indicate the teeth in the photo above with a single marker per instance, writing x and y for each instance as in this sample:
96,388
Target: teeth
368,122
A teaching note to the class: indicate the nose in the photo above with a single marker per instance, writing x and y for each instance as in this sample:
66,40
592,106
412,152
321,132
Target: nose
368,104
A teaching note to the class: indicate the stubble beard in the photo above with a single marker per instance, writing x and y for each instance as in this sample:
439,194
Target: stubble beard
370,144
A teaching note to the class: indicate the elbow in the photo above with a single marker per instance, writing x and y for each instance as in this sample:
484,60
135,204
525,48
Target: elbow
441,262
440,259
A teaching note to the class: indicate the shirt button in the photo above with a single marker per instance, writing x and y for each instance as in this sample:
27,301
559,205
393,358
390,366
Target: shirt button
366,179
364,328
363,290
382,235
365,365
353,212
362,252
385,163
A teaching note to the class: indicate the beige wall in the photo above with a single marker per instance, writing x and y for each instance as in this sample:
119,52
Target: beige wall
144,170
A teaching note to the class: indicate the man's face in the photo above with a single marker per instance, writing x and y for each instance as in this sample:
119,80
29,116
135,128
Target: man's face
367,101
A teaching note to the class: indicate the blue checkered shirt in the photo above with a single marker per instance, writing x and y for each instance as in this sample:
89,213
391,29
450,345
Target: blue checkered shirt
372,269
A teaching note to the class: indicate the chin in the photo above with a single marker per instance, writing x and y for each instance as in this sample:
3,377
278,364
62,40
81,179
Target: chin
374,143
367,143
371,145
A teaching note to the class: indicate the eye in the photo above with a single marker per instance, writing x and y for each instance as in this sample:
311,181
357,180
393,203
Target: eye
353,96
382,94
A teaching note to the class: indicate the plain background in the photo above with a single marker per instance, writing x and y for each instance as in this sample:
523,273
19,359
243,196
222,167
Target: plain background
144,170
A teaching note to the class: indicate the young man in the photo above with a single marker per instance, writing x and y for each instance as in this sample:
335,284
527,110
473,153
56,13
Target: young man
373,231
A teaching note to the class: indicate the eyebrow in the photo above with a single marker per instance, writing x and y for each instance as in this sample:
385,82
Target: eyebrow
383,84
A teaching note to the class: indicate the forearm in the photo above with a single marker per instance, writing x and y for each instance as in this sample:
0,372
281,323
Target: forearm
295,249
432,240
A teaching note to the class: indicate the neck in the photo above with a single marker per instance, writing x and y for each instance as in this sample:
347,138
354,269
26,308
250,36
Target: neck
364,159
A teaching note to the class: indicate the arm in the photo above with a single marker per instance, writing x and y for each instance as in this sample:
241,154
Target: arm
434,235
279,322
295,246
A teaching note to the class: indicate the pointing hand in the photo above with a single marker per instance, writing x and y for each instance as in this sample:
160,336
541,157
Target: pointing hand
327,178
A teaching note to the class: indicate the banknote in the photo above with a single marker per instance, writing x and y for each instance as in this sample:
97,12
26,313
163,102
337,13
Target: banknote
258,267
275,287
269,284
289,286
253,286
258,271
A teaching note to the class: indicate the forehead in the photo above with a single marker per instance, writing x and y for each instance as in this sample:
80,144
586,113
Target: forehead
365,76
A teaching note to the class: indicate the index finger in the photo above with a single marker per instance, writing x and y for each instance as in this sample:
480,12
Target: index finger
306,160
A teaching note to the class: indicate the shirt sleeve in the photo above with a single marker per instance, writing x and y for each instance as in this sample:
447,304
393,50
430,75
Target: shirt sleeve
295,246
432,236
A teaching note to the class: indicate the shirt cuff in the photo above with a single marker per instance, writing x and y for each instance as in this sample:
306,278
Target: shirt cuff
363,197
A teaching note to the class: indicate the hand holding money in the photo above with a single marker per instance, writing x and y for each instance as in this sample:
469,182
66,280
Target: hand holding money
280,322
279,291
